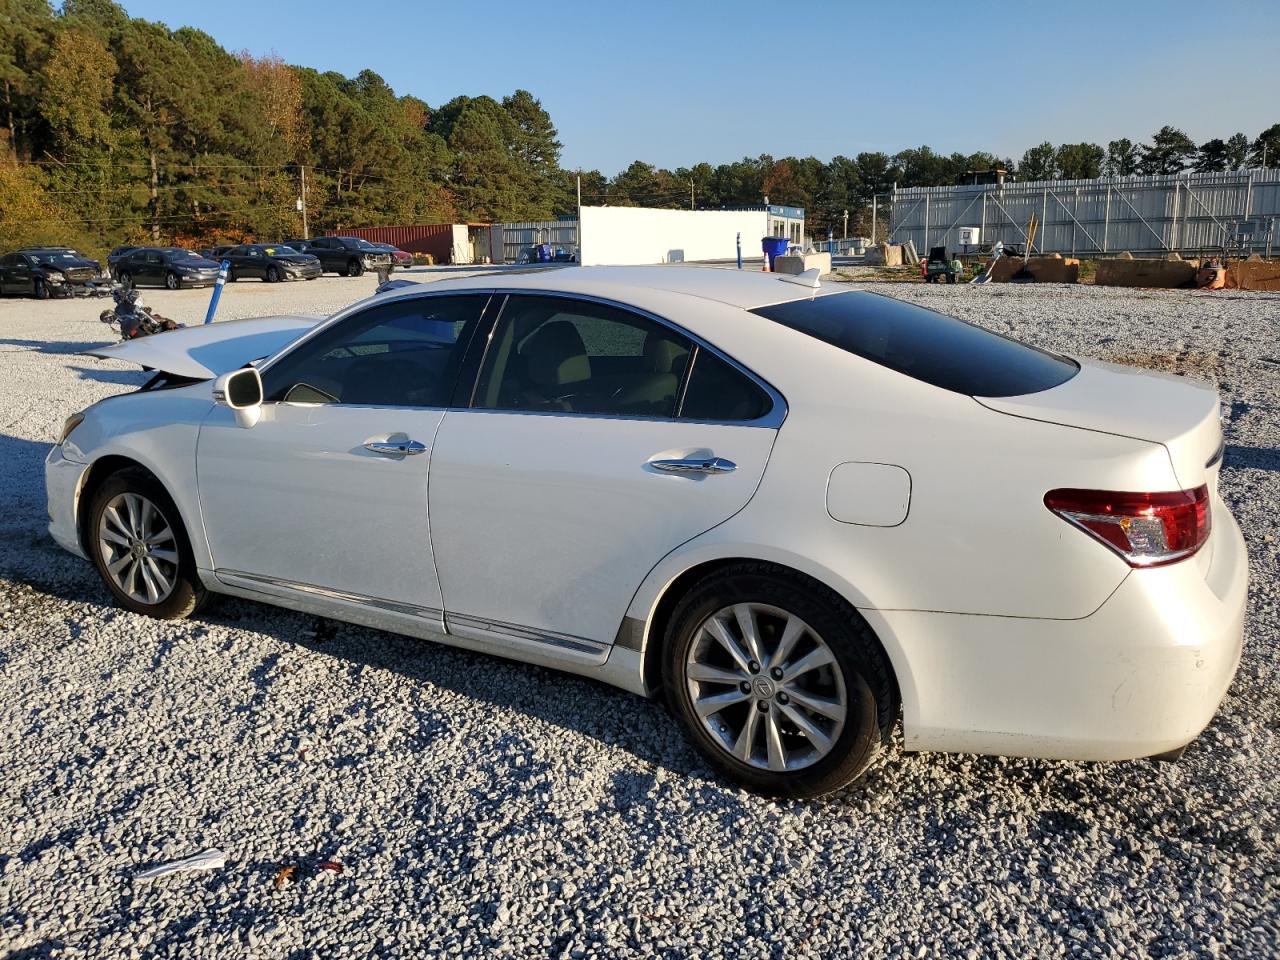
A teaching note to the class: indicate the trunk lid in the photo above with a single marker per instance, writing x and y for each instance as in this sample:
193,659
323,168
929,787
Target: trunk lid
1179,413
211,349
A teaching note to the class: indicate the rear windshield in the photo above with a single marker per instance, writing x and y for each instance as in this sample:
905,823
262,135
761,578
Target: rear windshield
928,346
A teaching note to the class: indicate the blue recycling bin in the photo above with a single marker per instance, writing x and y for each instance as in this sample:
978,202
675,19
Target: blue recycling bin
774,247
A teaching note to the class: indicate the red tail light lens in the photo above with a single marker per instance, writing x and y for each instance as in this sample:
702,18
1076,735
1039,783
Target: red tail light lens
1146,529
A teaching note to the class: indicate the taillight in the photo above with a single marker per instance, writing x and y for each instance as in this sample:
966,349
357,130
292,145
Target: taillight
1146,529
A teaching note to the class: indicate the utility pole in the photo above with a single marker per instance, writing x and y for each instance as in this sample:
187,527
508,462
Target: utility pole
873,218
578,232
845,235
690,194
306,233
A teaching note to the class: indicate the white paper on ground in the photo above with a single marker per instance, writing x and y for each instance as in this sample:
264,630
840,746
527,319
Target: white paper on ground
208,860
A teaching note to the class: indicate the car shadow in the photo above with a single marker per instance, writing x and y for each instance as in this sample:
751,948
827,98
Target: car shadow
56,347
124,378
1251,458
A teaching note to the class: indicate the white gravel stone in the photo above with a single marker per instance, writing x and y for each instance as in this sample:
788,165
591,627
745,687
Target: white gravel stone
487,808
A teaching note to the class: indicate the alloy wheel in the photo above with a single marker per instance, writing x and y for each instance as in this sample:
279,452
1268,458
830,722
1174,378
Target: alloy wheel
171,281
766,687
138,547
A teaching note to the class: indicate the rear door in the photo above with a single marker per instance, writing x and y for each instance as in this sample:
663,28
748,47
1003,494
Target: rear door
595,442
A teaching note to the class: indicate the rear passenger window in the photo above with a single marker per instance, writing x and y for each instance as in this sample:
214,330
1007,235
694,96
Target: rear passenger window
719,391
551,354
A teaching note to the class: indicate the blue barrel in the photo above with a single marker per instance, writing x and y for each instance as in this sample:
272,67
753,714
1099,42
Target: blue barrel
774,247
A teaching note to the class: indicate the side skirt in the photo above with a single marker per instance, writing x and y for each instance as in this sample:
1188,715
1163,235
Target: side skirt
559,651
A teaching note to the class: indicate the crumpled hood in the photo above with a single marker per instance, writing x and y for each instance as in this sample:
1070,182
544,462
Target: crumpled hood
208,350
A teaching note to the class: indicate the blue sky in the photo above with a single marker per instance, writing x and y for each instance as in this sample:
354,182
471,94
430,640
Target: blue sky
677,83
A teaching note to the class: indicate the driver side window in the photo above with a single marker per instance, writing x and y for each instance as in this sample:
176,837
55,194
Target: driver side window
402,354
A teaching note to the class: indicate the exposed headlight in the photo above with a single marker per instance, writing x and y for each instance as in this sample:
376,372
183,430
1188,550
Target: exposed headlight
54,277
73,421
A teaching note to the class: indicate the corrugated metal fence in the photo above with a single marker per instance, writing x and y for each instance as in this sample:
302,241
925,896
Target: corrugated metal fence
1186,212
517,238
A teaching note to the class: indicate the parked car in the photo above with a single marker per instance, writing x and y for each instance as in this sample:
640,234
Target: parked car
399,258
44,272
800,513
271,262
348,256
114,256
170,267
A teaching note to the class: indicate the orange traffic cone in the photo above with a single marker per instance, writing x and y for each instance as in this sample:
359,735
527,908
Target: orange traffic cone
765,268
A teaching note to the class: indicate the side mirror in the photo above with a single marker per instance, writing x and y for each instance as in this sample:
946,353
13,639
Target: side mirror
241,390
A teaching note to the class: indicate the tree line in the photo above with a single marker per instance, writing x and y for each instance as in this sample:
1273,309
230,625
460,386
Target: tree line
114,129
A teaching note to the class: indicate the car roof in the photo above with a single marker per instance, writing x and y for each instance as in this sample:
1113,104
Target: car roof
737,288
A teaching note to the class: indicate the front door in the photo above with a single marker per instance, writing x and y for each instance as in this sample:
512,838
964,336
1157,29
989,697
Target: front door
327,493
583,460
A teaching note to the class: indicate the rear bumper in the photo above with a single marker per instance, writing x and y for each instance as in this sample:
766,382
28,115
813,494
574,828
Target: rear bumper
62,480
1142,675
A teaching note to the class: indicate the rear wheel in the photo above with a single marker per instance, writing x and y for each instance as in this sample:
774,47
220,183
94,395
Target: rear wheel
172,281
140,548
777,681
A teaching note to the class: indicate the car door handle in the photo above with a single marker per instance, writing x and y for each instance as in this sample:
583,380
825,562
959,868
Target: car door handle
708,466
396,448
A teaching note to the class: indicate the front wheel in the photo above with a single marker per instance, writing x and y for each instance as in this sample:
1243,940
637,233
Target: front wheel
355,268
777,681
172,281
140,548
41,290
126,280
273,275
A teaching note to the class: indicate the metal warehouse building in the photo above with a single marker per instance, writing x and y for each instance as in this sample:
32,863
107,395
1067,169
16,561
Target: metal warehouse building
1186,212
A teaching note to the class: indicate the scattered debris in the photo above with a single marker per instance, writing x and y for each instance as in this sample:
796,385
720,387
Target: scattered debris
283,876
208,860
329,866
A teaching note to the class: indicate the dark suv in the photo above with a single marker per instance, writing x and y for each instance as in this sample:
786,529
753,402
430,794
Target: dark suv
349,256
44,272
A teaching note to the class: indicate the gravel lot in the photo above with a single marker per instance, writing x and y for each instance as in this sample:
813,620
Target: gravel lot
486,808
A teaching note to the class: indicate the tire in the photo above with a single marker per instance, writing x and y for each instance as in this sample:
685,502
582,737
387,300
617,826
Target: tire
126,280
853,673
273,275
40,290
163,573
172,281
355,268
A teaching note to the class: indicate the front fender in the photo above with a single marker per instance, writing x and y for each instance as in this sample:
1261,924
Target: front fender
158,431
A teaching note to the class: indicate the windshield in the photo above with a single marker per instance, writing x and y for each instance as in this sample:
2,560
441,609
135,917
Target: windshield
177,253
925,345
280,251
360,244
56,258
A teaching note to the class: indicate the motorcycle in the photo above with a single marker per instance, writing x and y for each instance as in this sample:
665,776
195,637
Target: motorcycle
132,317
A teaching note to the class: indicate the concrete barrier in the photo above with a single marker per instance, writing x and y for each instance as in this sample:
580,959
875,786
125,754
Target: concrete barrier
799,263
1051,269
1254,274
1125,271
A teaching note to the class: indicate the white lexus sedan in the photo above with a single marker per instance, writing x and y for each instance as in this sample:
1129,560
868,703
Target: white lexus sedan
796,512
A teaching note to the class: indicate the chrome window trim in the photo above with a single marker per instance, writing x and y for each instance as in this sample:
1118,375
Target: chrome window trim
771,420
